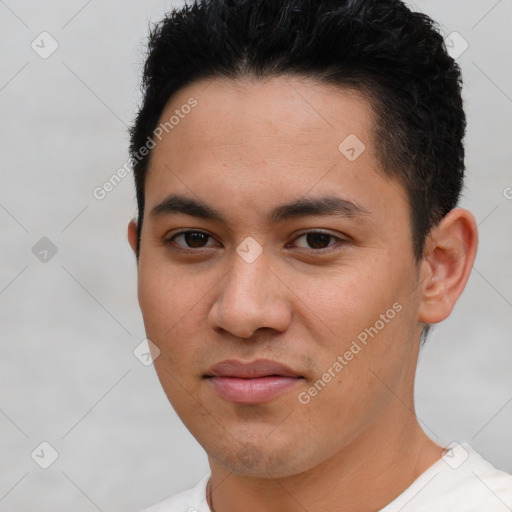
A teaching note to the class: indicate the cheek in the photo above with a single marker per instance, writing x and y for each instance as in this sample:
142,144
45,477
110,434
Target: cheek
367,380
174,309
166,296
345,302
368,317
167,303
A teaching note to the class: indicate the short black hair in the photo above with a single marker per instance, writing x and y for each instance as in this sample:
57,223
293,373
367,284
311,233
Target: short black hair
394,56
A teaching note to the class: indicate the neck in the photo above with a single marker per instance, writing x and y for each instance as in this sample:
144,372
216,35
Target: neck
365,475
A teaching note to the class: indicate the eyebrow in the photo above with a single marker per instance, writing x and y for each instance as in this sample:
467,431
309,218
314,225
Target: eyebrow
303,207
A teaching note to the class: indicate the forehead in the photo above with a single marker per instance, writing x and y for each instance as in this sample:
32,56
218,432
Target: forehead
268,140
283,110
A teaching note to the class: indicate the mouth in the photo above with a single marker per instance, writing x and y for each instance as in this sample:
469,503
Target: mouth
254,382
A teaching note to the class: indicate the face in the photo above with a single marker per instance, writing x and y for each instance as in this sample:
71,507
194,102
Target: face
276,273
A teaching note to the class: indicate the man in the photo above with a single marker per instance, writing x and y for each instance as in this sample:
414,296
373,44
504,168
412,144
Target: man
298,166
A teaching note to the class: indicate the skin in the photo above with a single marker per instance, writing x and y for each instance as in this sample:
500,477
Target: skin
247,147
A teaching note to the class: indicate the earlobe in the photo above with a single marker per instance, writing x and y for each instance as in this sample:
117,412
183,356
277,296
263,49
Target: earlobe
133,235
448,260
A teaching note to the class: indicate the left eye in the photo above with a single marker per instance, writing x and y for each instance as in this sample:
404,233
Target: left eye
317,240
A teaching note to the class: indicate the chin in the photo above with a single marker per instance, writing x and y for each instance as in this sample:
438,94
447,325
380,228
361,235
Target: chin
264,459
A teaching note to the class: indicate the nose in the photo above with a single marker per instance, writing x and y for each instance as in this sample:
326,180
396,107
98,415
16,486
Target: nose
250,297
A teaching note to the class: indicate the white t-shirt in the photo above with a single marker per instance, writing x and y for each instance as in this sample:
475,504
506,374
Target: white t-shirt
461,481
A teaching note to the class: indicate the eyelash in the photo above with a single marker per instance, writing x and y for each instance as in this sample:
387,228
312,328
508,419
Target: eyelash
340,241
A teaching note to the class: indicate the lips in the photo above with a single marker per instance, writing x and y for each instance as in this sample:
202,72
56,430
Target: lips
250,370
252,382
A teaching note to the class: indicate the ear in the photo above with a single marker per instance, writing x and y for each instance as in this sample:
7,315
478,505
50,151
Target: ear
450,252
133,235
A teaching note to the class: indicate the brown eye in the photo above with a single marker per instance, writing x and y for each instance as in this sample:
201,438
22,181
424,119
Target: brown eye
316,240
190,239
195,238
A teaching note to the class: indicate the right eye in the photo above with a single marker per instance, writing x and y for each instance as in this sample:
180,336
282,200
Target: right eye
191,239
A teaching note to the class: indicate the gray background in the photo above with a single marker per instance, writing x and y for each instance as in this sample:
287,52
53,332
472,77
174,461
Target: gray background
69,325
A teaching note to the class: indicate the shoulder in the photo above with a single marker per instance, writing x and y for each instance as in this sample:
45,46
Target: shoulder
190,500
468,478
462,481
